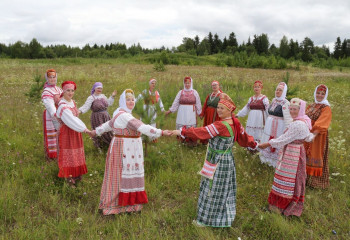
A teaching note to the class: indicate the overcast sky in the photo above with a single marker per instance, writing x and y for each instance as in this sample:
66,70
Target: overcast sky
165,22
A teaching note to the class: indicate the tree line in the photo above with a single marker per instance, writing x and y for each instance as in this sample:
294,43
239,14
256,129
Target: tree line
259,45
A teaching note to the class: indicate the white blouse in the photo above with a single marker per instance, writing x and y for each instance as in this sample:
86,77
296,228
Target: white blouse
91,98
126,120
243,112
48,100
66,115
297,130
175,106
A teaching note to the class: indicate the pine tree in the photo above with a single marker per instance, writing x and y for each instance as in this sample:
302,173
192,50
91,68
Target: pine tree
284,47
337,49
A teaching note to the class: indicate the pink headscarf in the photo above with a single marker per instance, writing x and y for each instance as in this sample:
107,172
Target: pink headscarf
301,115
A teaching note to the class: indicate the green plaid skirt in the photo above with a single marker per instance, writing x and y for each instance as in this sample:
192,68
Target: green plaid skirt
217,198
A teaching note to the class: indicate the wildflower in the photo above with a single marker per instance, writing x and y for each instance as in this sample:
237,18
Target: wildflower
342,182
90,174
79,220
335,174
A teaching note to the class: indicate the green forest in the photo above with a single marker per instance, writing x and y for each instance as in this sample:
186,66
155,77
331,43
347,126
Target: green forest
211,50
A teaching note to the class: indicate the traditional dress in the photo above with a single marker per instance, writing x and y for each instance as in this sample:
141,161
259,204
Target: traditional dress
288,189
151,99
123,188
276,123
71,155
98,105
188,105
217,198
317,166
50,98
256,109
209,109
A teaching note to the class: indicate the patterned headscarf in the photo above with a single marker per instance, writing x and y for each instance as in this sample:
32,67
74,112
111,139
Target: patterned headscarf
216,82
283,86
96,85
122,101
301,115
227,102
47,78
258,83
324,89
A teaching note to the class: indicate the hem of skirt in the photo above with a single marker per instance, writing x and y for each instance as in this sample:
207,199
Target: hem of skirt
278,201
314,171
66,172
121,209
212,225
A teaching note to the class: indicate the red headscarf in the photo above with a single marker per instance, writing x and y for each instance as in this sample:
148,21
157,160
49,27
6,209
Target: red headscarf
216,82
68,85
258,83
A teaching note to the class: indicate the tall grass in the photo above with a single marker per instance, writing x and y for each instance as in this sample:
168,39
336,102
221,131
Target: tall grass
36,204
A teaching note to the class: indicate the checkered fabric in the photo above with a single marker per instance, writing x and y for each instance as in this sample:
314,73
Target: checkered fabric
217,197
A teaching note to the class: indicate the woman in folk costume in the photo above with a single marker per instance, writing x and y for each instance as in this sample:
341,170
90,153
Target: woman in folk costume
71,155
277,121
256,109
123,188
98,103
317,167
288,189
151,98
50,98
217,198
187,104
210,104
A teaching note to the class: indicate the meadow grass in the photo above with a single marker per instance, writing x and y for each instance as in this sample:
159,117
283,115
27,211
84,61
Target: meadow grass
36,204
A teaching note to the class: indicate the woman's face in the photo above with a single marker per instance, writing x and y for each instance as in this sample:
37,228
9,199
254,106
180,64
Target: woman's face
320,96
68,94
98,90
130,103
279,92
215,87
294,111
152,86
188,84
223,111
52,79
257,89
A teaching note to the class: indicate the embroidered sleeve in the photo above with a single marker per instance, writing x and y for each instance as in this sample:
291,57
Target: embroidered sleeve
243,138
266,104
198,103
87,104
105,127
297,130
49,104
72,121
323,122
175,106
203,133
243,112
287,118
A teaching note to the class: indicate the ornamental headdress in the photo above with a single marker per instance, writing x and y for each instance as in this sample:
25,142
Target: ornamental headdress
322,88
49,73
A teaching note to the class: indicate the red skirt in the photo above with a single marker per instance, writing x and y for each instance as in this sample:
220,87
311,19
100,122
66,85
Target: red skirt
71,156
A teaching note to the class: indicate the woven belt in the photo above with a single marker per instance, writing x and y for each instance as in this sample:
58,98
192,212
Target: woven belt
122,136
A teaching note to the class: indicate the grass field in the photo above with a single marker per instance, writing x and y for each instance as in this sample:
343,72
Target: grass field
36,204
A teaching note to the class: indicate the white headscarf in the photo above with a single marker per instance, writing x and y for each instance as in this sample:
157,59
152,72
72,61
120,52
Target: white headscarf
191,88
122,105
324,101
284,93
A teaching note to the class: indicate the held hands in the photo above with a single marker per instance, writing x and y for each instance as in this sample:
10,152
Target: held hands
264,145
167,133
91,133
167,112
176,132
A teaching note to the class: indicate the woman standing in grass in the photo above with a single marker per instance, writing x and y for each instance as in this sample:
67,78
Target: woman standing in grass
50,98
123,188
277,121
288,189
209,108
98,103
71,155
217,198
256,109
151,99
317,167
188,105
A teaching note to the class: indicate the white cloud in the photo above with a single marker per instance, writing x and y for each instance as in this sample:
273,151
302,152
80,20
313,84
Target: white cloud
157,23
